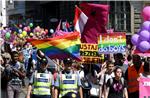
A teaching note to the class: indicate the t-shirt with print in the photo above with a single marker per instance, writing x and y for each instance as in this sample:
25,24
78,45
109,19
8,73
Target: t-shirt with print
116,88
15,80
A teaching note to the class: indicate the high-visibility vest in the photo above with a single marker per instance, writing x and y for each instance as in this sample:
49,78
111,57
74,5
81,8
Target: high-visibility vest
133,84
42,84
68,84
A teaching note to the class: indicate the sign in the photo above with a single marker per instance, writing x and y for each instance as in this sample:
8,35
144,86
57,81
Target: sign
92,60
89,53
112,43
144,88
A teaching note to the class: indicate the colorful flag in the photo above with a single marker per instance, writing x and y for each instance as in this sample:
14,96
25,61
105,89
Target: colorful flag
59,25
97,19
66,46
80,20
58,31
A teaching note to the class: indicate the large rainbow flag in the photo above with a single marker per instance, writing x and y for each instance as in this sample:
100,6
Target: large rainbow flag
60,47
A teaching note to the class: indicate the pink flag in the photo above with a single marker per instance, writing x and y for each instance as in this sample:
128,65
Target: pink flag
58,27
97,19
80,20
58,31
144,88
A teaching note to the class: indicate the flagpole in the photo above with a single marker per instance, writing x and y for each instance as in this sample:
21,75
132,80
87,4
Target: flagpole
57,64
77,7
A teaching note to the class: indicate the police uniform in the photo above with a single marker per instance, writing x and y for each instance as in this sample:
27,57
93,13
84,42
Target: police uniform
41,83
68,83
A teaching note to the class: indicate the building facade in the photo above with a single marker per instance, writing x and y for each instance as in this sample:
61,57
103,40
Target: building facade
11,11
124,15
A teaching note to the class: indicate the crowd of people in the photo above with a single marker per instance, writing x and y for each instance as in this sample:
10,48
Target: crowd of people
116,77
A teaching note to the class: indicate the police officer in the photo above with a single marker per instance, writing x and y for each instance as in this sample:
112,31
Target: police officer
68,84
42,82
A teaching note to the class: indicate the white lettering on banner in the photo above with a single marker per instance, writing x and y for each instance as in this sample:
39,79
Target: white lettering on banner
146,84
119,48
109,39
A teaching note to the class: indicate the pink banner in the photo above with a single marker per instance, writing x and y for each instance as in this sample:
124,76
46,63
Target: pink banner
144,89
147,53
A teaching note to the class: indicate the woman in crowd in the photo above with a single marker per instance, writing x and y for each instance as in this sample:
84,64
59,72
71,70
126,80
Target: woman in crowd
116,87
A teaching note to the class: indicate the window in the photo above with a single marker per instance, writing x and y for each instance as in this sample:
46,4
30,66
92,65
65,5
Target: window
119,17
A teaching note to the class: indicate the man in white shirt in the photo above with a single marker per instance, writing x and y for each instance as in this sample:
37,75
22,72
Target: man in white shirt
105,76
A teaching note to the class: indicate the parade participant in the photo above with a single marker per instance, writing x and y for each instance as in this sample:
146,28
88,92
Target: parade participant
116,87
27,54
144,80
78,68
21,60
104,75
81,72
146,73
7,58
39,55
131,75
42,82
15,74
4,76
68,84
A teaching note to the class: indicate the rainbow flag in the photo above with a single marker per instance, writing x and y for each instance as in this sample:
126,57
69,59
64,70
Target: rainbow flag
60,47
